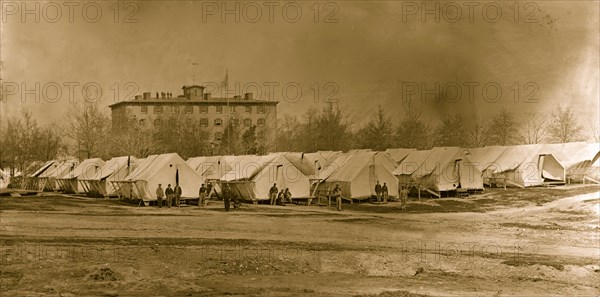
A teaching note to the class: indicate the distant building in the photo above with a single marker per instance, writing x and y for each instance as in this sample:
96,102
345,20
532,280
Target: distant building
200,109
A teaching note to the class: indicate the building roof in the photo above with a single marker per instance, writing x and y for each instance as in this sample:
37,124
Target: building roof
184,100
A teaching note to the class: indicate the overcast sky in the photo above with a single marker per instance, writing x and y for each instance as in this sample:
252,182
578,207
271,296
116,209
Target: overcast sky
372,51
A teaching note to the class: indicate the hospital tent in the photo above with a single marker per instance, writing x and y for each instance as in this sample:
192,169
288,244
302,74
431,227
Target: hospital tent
526,166
211,168
251,177
163,169
47,180
448,169
398,154
578,159
87,169
114,169
358,171
484,157
409,165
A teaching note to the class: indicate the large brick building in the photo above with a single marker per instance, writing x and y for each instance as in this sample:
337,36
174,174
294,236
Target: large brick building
200,109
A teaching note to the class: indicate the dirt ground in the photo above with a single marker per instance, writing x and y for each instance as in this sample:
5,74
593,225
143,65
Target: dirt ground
532,242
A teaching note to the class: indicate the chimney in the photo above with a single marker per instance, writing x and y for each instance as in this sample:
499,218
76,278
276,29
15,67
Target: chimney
138,97
146,95
248,96
206,96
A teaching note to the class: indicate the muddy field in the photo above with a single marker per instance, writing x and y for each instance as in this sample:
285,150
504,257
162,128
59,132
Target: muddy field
533,242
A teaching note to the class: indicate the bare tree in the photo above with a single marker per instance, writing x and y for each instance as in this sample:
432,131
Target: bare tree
564,126
593,133
88,127
378,133
413,132
478,136
503,128
533,128
450,131
288,135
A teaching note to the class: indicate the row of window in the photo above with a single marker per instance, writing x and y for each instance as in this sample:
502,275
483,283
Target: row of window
217,122
203,109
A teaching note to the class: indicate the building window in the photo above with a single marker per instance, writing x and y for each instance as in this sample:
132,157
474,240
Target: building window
158,109
203,109
261,122
156,122
218,135
248,109
175,109
219,109
189,109
203,122
144,109
260,109
218,122
247,122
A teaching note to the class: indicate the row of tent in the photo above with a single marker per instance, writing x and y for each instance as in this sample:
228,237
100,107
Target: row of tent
440,169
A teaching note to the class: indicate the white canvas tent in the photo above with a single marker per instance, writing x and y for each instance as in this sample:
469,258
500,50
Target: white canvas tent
448,169
163,169
578,159
526,166
251,177
409,165
484,157
399,154
358,171
113,170
48,180
88,169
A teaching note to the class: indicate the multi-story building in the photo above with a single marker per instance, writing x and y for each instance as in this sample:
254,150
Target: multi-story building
200,109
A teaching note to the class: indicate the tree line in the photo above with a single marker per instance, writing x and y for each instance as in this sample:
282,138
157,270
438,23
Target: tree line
86,132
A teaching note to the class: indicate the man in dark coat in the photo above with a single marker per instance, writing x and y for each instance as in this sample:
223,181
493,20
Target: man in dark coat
378,191
202,196
169,192
384,192
226,196
178,193
273,194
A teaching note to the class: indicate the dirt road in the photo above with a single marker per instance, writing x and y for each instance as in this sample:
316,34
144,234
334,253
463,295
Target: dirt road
533,242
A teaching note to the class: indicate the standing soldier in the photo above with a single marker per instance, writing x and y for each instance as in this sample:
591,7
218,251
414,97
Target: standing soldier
378,191
403,197
337,193
209,187
225,192
178,193
273,193
288,195
169,192
384,192
160,193
202,195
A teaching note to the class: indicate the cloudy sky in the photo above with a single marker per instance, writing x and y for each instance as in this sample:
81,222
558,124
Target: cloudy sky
370,52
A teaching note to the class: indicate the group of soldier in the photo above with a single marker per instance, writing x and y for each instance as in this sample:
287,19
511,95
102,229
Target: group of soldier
381,192
277,197
173,195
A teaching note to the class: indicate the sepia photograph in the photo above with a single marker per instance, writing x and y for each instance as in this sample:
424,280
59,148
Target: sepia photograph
356,148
